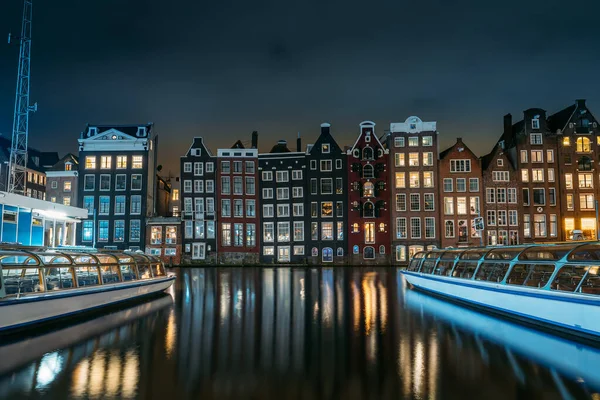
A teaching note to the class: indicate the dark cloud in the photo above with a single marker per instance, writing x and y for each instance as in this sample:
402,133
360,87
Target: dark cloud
222,69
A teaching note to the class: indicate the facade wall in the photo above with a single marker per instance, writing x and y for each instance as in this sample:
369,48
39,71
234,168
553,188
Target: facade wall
414,183
326,231
163,239
536,151
578,148
198,201
237,197
116,185
62,189
368,200
501,197
460,199
283,210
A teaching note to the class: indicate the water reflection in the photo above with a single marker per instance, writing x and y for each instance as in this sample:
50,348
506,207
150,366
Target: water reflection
298,333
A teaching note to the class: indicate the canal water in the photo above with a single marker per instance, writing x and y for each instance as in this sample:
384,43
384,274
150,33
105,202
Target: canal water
287,333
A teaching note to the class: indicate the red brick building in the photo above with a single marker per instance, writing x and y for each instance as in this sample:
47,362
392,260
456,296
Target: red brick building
460,197
163,239
368,199
237,199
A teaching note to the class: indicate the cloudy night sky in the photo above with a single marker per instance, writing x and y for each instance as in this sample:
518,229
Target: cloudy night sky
222,69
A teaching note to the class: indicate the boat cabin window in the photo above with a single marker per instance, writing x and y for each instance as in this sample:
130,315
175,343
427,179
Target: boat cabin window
55,259
532,275
158,270
128,272
428,266
18,259
503,253
144,271
444,267
110,274
465,269
591,282
22,280
472,254
545,253
414,264
568,278
589,252
492,271
87,276
59,278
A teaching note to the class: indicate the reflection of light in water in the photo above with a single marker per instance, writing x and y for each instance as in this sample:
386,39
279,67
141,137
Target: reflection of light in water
370,296
80,378
50,366
97,375
418,368
356,307
404,365
113,375
432,367
130,375
302,289
383,305
316,312
326,315
171,334
225,298
239,302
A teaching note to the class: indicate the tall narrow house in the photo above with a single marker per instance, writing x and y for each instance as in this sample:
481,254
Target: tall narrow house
578,148
368,199
238,230
413,163
532,144
460,199
282,199
117,184
197,195
326,199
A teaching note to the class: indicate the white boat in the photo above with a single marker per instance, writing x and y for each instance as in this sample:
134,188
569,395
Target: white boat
39,285
555,285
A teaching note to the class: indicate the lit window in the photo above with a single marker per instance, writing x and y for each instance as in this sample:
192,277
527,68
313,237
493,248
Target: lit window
105,162
566,141
67,186
122,162
90,162
136,162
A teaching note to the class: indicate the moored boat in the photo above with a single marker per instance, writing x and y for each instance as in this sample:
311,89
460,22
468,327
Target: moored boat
554,285
38,285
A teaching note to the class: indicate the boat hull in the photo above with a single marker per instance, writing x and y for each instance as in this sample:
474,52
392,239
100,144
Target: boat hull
34,309
568,312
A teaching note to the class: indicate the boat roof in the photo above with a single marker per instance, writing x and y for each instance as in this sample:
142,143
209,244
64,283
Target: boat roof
44,257
548,252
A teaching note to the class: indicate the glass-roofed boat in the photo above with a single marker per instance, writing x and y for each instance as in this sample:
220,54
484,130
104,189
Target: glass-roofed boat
39,284
555,285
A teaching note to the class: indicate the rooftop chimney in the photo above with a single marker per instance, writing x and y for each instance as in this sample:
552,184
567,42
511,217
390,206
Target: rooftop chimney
580,103
255,140
298,143
508,124
325,128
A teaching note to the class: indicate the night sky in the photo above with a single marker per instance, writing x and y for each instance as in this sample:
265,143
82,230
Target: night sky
222,69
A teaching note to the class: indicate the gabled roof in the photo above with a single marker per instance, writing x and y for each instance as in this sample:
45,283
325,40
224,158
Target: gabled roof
238,145
60,165
459,143
130,130
325,137
280,147
371,124
198,142
560,119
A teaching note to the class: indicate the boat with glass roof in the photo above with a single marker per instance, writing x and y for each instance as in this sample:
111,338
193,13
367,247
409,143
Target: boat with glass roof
39,284
553,285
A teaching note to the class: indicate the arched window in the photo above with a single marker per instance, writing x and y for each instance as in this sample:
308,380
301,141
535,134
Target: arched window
368,210
340,252
368,171
584,163
327,254
583,145
381,227
449,229
355,227
368,153
368,190
382,249
369,253
315,252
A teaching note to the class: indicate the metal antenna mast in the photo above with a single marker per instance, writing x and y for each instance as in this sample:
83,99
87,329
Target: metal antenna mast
18,150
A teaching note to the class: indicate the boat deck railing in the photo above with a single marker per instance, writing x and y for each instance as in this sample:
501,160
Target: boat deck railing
566,267
32,270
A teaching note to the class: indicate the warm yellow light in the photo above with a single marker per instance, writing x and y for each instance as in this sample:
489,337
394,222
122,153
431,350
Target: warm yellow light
566,141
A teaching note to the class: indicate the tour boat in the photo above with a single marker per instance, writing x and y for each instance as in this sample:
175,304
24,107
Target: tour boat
38,285
553,285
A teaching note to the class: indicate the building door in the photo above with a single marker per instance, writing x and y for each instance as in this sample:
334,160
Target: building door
198,251
283,254
327,254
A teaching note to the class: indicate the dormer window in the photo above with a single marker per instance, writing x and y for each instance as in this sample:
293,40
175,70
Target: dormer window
535,122
325,148
500,162
68,166
92,131
141,132
36,160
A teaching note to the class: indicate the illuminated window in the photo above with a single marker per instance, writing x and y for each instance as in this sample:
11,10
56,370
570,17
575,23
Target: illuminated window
136,162
368,189
175,194
583,145
566,141
105,162
399,159
68,166
327,209
569,181
413,159
355,227
427,179
122,162
400,180
414,180
327,231
369,232
90,162
586,181
156,235
67,186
